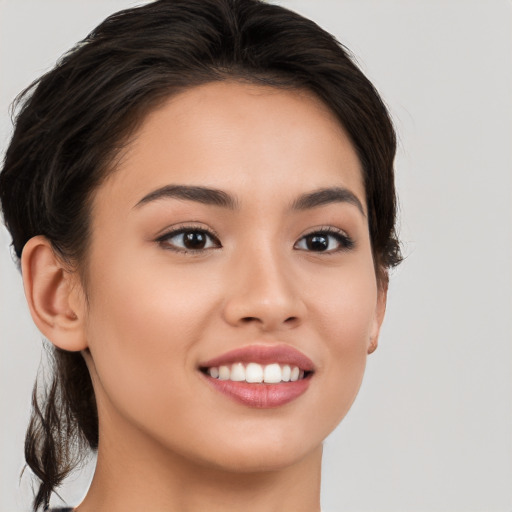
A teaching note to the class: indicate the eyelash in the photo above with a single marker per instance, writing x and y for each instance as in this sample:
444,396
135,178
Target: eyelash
181,230
345,242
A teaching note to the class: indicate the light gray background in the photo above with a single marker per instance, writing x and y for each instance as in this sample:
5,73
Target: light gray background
431,429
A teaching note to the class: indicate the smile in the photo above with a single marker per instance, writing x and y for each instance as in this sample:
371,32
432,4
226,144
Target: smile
260,376
273,373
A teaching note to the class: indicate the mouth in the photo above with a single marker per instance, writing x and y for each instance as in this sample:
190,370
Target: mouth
260,376
255,373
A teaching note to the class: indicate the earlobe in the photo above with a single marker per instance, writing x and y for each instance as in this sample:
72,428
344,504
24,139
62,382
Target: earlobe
52,295
380,311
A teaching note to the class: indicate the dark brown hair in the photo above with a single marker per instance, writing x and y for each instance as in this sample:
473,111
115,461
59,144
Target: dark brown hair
74,120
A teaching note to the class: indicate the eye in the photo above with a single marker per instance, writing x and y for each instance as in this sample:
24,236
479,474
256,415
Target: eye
325,240
189,240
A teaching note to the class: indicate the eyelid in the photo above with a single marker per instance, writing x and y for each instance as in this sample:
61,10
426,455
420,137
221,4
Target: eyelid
344,239
172,231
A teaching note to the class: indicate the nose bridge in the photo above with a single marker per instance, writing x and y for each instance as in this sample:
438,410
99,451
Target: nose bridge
263,290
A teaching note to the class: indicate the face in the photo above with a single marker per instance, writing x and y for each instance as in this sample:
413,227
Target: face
232,239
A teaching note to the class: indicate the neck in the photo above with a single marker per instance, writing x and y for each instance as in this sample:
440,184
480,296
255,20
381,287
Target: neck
135,473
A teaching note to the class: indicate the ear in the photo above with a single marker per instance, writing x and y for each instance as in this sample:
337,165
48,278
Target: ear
380,310
54,295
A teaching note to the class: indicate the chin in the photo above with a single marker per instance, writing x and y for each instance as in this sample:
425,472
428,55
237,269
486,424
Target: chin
258,448
275,458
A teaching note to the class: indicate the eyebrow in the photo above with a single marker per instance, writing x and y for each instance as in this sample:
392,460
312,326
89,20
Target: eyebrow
204,195
326,196
215,197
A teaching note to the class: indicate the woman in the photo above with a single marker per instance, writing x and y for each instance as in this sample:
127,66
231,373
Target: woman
201,197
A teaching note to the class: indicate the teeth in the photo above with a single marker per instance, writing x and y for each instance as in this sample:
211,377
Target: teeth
272,373
224,373
256,373
238,372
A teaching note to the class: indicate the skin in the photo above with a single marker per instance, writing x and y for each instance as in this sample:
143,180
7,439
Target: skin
152,313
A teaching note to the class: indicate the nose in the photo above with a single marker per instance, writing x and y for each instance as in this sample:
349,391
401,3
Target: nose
263,292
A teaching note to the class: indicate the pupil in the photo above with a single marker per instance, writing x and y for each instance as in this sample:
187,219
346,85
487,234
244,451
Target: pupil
317,243
194,240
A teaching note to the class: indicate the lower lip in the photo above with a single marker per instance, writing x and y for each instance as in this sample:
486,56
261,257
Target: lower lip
262,396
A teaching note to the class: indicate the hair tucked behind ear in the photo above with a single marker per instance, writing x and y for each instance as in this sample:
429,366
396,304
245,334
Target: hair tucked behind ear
64,423
73,122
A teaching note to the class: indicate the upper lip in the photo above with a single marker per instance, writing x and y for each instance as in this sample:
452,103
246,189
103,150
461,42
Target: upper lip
262,354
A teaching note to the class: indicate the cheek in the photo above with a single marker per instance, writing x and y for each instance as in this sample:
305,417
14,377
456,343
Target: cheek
345,316
151,306
349,318
345,307
143,325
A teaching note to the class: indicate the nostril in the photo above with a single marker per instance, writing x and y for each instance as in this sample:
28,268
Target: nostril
290,321
249,319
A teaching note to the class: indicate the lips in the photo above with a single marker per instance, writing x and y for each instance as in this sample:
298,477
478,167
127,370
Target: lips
260,376
262,354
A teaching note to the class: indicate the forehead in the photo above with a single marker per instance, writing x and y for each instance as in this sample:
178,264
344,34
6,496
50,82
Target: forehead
242,137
